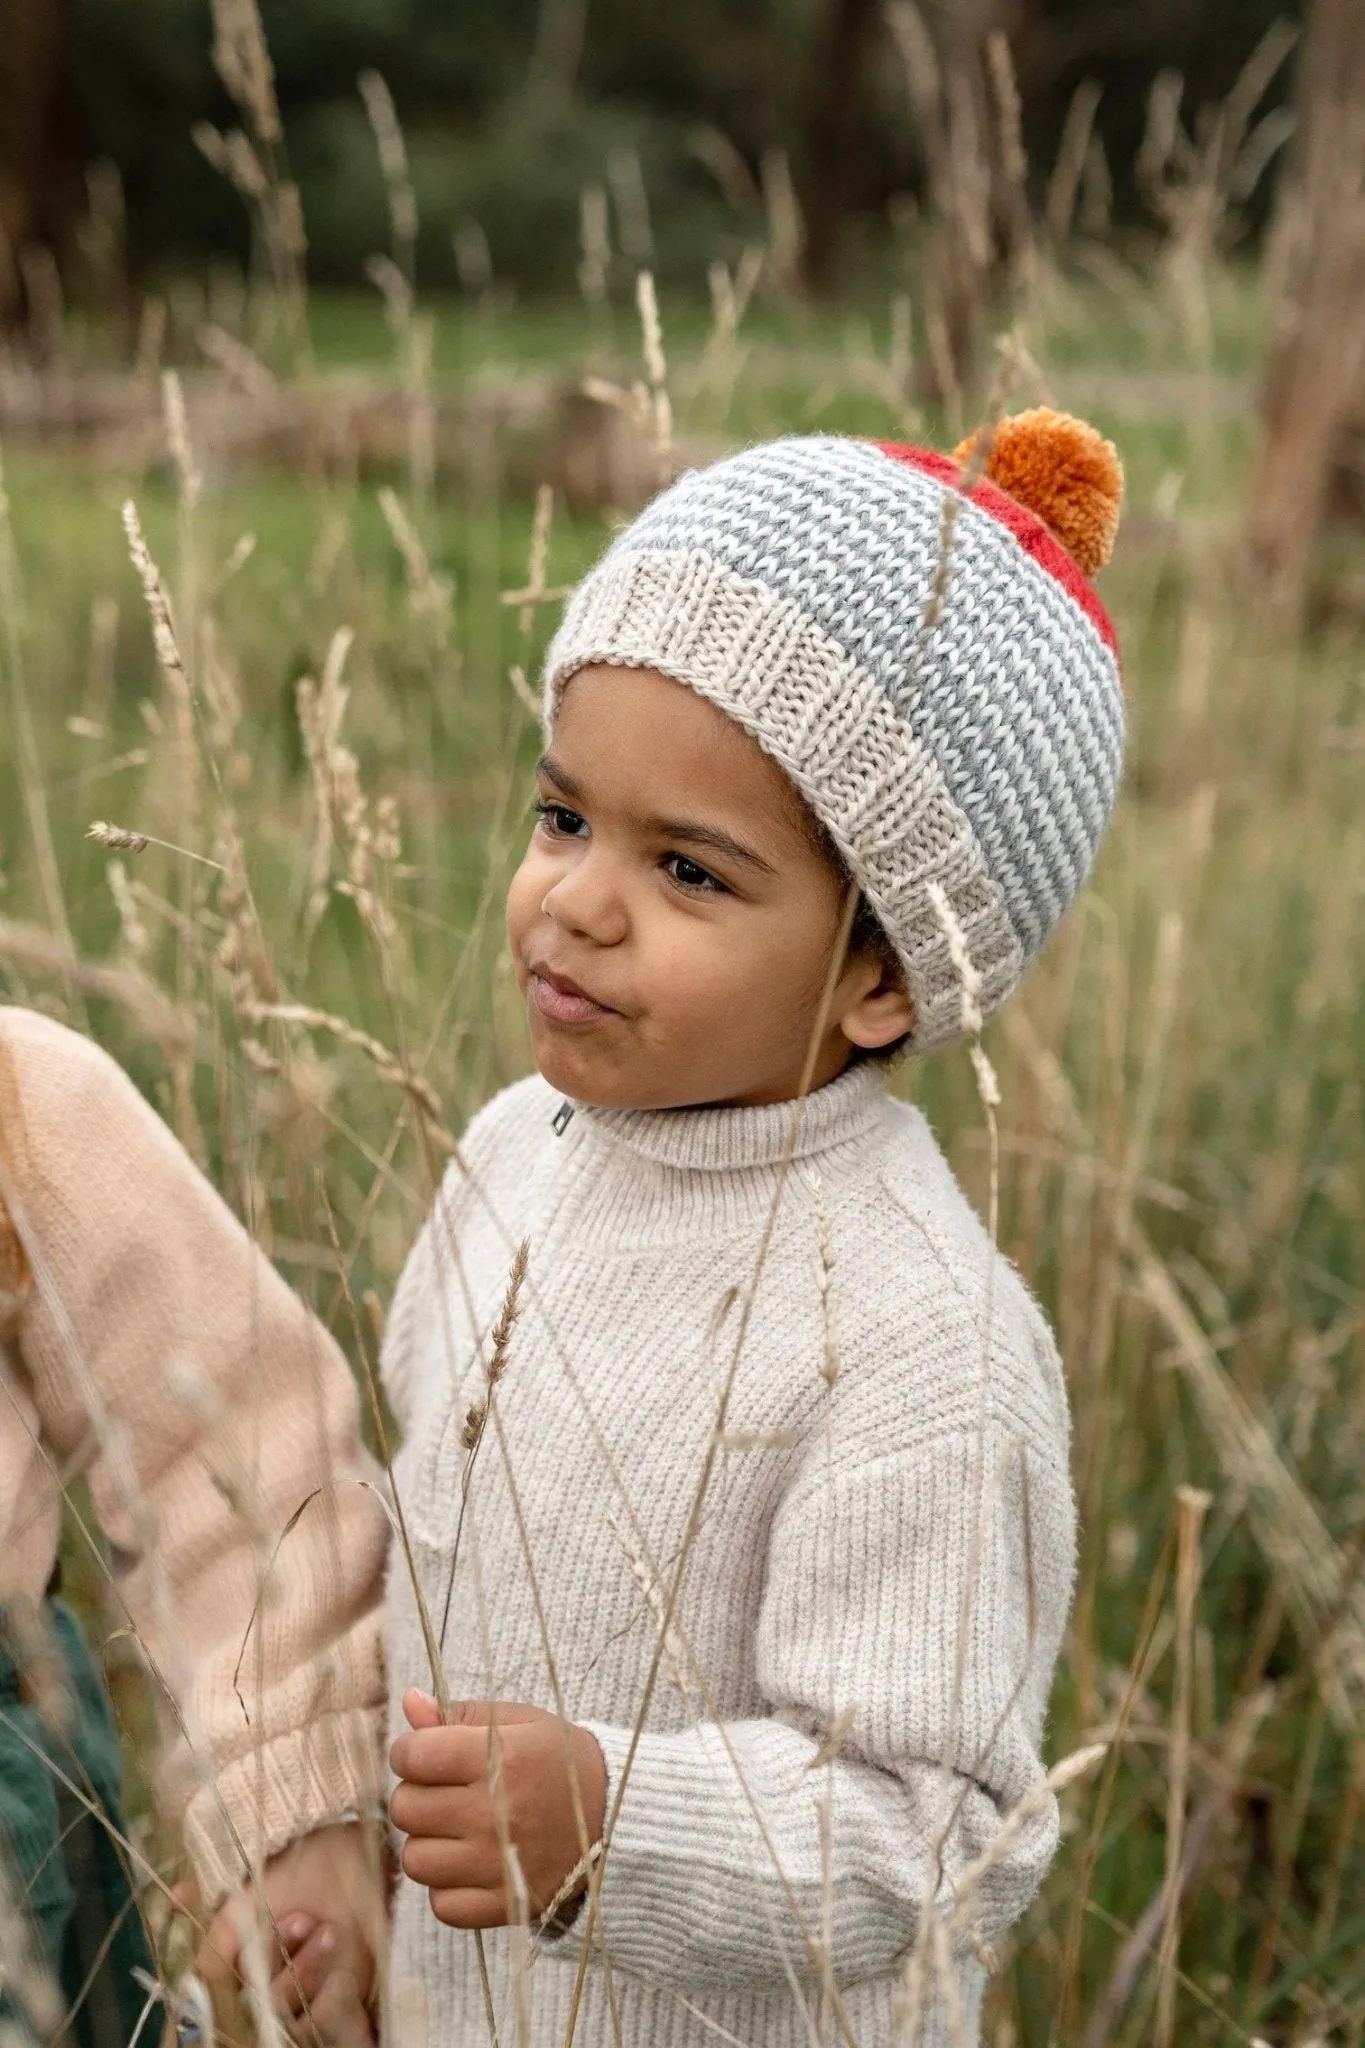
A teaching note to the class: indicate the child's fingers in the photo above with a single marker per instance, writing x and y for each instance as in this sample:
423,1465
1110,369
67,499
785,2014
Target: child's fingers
483,1713
294,1930
422,1711
441,1756
337,2016
457,1811
469,1908
433,1860
301,1980
219,1957
219,1952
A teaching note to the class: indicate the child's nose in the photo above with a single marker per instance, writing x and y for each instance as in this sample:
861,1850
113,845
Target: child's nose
588,902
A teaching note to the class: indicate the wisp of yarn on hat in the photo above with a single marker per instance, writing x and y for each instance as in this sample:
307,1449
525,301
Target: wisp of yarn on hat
954,719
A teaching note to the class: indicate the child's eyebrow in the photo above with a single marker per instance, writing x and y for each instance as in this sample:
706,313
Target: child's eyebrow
690,829
697,834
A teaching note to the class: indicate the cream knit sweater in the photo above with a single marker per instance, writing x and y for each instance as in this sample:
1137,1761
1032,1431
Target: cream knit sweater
892,1558
147,1347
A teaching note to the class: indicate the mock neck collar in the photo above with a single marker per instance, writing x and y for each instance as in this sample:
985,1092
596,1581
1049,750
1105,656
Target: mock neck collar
715,1140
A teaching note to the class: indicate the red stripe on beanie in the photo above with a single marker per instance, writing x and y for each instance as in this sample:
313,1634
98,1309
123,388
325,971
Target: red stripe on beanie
1028,529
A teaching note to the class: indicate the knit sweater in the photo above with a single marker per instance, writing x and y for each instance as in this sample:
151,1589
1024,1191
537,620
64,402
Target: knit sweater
148,1347
885,1551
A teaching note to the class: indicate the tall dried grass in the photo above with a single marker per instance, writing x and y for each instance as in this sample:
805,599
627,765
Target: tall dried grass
297,951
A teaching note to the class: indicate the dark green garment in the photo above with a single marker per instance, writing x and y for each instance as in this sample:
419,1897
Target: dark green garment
71,1873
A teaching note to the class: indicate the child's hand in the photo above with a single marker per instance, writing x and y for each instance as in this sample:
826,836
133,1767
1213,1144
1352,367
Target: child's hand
327,1898
466,1788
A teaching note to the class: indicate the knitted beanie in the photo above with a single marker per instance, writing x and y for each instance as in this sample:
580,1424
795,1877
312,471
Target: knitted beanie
915,640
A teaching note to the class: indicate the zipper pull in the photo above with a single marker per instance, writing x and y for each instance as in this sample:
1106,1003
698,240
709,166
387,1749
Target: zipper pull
562,1118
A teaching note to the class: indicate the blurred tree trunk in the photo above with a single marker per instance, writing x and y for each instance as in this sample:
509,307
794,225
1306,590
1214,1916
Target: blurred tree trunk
836,114
1313,430
38,159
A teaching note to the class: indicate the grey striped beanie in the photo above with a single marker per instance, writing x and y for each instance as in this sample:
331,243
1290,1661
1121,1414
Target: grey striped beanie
908,638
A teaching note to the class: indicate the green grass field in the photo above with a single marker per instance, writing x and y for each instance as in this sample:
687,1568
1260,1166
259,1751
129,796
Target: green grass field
1183,1132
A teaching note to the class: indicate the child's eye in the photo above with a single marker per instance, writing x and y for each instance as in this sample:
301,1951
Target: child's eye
689,874
560,820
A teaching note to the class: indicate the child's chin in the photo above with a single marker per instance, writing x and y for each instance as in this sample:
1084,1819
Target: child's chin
596,1083
569,1073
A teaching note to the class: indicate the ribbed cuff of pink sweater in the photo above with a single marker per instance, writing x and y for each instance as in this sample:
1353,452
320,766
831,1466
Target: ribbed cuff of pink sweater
307,1779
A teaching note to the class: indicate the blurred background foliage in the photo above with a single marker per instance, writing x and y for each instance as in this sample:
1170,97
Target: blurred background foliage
511,107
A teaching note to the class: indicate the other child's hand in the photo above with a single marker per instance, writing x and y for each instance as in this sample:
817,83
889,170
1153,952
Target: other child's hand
492,1774
322,1912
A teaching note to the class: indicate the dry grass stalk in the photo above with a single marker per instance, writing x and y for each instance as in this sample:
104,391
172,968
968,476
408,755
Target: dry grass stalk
342,810
1071,1769
594,267
241,58
386,1063
671,1659
321,707
477,1417
187,470
631,201
523,692
136,937
40,952
987,1085
1328,1608
171,662
1200,1835
393,162
1140,1665
731,294
786,228
1064,185
540,547
431,595
475,1428
1191,1508
1192,184
240,364
947,92
370,1375
256,166
1009,108
656,368
21,711
1328,1605
232,156
120,840
831,1746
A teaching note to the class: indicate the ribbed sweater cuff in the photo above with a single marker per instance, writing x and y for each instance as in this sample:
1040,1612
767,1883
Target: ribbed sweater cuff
298,1782
674,1822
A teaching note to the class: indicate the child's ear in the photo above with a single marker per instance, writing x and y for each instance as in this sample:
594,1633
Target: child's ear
880,1010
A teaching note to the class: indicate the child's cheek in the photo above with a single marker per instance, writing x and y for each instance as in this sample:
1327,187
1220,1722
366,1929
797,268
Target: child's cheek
525,895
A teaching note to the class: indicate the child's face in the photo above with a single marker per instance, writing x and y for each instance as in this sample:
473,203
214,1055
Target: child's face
673,921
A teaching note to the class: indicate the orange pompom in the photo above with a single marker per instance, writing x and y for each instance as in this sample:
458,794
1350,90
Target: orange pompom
1061,469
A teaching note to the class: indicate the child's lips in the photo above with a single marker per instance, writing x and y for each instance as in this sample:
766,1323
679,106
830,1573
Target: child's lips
561,1001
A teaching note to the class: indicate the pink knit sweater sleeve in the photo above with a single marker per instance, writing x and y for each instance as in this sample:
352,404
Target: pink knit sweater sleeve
155,1351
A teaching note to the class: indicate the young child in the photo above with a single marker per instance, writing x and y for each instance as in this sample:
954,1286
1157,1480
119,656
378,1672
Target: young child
766,1359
